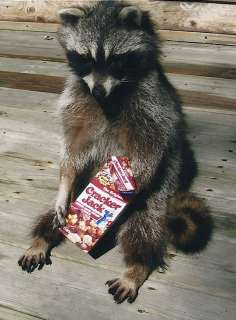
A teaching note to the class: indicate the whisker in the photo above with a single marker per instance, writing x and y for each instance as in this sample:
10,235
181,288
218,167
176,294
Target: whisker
128,81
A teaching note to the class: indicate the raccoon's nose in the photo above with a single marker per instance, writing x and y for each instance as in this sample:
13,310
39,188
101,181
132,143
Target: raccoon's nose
99,92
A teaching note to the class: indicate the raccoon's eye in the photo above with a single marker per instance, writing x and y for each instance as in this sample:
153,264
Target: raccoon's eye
81,64
84,58
125,65
117,69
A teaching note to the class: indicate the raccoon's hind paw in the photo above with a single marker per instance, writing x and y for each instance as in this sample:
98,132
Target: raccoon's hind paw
122,289
34,258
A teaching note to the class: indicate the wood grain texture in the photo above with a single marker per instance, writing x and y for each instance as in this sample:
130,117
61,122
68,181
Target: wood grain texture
198,37
38,11
32,82
9,312
75,292
212,141
204,74
166,35
200,287
174,15
196,91
195,16
178,57
29,26
60,69
194,288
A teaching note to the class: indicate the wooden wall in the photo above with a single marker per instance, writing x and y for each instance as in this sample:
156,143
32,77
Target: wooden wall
198,51
201,16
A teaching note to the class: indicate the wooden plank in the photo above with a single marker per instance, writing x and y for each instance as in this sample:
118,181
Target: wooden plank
41,185
199,54
47,68
205,90
173,15
113,264
201,100
32,44
31,82
26,212
214,71
166,35
178,57
207,130
29,26
199,37
81,290
202,122
195,16
37,180
79,295
55,295
199,91
36,11
10,313
203,129
214,142
213,156
46,102
75,283
60,69
48,84
12,98
30,202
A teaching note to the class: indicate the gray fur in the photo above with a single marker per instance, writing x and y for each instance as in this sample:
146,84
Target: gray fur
151,117
140,118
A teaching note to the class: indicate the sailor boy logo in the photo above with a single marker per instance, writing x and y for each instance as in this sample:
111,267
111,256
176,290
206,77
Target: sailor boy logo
105,219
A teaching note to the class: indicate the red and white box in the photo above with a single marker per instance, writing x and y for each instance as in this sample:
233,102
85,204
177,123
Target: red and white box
98,206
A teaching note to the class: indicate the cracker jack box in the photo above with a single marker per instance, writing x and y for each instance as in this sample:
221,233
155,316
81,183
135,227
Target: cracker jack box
101,202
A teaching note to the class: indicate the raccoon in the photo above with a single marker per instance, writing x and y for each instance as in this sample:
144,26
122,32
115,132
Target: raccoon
118,101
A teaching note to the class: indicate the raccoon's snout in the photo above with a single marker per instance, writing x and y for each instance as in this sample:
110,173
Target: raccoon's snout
100,86
99,92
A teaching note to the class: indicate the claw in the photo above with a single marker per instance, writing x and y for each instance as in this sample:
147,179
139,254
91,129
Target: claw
20,260
32,259
41,261
48,260
110,282
33,267
122,289
132,297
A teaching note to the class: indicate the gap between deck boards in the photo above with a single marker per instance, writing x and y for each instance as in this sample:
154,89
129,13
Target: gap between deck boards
12,313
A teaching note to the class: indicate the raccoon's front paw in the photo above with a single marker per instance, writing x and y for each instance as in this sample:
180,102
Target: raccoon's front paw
122,289
34,258
60,214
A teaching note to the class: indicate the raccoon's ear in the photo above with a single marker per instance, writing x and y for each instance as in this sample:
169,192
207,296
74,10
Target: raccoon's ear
70,15
131,15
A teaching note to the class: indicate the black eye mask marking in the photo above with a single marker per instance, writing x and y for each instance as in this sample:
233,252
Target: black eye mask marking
80,64
130,65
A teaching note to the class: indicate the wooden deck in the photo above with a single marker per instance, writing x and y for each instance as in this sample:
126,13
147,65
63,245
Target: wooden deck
202,287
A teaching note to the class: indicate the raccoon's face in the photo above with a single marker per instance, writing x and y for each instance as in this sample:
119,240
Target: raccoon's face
109,47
